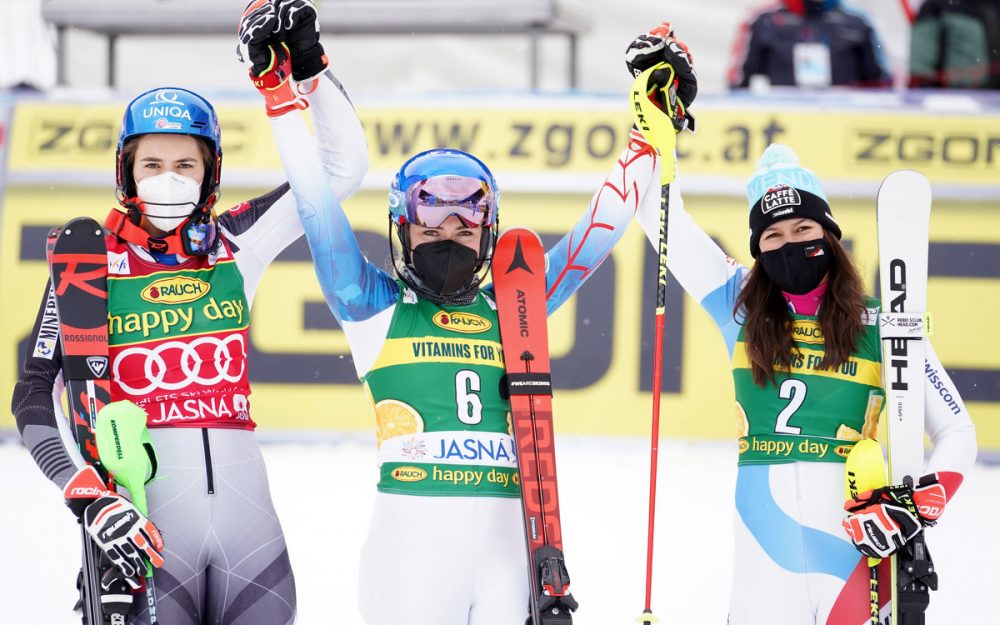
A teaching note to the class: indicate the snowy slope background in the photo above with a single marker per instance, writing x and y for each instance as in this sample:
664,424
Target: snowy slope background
323,493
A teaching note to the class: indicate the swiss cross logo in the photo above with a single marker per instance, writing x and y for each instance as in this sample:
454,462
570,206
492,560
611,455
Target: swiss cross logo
779,197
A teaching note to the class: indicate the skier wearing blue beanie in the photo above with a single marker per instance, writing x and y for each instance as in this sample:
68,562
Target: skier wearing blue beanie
805,351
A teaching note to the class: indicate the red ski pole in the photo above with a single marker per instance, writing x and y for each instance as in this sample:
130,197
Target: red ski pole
658,128
908,11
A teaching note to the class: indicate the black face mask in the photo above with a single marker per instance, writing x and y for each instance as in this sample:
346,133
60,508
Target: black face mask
815,7
797,268
445,266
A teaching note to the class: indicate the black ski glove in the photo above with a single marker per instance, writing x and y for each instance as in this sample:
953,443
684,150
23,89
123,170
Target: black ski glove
660,45
298,27
256,34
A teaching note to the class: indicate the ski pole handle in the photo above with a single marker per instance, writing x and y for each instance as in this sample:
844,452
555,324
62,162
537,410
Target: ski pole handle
655,124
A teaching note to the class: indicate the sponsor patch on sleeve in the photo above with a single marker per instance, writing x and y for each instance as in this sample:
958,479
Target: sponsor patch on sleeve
118,264
48,330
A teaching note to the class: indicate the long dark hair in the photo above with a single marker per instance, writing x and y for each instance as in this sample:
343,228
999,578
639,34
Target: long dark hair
767,320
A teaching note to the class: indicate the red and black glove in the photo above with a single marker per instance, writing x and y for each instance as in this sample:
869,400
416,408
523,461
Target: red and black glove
269,59
660,45
298,27
123,533
881,521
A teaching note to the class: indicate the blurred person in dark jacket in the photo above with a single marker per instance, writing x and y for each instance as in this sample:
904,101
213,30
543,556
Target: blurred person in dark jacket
808,43
956,44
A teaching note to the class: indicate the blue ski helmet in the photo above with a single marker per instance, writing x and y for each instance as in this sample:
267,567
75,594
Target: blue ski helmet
171,110
428,189
439,162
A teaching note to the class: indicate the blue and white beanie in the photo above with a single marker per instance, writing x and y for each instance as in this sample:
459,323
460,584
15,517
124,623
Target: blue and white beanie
783,189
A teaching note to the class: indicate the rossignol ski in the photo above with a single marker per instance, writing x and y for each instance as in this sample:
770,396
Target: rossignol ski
78,264
519,280
904,208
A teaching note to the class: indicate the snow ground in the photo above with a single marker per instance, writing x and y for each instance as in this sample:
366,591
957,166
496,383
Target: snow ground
324,491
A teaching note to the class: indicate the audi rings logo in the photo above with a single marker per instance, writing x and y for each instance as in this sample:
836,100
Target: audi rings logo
207,361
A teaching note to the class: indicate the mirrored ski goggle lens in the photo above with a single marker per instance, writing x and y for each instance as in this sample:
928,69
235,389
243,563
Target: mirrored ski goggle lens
434,200
200,238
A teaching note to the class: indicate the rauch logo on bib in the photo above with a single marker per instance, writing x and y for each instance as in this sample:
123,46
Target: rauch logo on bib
466,323
175,290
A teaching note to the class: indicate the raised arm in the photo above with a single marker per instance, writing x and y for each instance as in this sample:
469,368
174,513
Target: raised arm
700,266
575,257
355,289
264,226
705,272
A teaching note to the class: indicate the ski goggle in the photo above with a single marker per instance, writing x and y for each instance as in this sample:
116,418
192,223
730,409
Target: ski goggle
200,237
432,201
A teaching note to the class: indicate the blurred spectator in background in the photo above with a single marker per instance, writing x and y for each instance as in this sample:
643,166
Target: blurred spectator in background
808,43
956,43
27,46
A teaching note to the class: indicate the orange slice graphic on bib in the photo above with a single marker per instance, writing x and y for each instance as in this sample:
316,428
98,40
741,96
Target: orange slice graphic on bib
395,418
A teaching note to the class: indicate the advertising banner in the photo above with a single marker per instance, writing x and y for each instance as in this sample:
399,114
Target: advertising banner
557,143
601,340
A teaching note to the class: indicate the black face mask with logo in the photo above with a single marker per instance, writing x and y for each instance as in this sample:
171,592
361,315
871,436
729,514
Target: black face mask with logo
797,268
445,266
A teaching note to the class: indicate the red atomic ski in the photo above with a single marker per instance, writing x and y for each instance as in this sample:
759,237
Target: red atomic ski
519,281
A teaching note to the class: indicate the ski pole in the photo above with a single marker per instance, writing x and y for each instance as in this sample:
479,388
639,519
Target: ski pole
864,471
908,11
658,128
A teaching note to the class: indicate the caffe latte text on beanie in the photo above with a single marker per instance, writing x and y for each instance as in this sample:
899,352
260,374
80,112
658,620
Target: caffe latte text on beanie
782,189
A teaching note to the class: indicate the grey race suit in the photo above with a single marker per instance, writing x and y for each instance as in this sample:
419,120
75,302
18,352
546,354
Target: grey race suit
225,555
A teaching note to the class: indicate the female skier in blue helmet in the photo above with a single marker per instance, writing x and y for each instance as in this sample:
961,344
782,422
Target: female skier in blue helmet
450,189
446,544
222,558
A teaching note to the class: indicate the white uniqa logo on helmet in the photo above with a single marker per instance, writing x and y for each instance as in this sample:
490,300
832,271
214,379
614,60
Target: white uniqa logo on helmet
166,95
168,109
779,196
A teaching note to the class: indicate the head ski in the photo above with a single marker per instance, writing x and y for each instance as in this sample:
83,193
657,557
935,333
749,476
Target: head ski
904,208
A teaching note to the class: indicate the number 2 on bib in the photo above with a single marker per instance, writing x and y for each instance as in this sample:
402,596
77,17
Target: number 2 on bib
794,390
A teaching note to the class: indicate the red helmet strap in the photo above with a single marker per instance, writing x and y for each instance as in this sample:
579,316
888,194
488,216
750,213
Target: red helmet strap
121,226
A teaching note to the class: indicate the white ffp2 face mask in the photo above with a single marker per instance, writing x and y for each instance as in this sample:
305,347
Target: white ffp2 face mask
169,198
